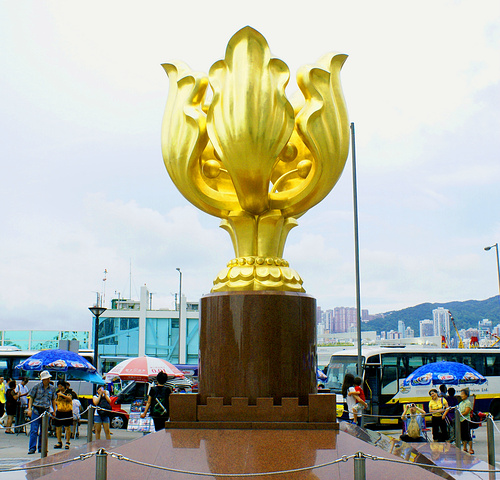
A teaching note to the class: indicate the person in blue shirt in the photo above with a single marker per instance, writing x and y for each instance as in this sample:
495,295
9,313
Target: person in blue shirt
414,424
42,398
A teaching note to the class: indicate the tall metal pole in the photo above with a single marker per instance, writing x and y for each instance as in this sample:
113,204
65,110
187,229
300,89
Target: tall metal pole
97,311
356,247
180,288
498,265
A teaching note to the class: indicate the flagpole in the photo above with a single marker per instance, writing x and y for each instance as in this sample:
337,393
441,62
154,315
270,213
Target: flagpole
356,249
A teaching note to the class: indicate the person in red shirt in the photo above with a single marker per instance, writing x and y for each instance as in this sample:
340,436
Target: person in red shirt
361,404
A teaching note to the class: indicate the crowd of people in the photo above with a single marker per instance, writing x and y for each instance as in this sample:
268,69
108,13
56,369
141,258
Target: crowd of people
443,405
22,405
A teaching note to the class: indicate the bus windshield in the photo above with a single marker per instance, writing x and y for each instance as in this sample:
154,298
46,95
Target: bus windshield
337,368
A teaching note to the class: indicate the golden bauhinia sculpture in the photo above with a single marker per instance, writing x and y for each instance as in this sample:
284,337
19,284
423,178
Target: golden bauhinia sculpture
250,157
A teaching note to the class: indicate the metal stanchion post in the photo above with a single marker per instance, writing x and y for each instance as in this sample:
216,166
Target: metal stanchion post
45,435
458,433
90,423
359,467
101,465
491,440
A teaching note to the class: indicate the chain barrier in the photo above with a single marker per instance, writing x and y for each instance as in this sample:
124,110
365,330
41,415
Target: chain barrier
31,421
342,459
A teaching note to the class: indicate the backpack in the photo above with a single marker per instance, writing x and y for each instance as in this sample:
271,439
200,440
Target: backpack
413,429
160,401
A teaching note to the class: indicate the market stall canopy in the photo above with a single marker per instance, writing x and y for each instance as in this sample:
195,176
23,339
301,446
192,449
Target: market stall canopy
142,369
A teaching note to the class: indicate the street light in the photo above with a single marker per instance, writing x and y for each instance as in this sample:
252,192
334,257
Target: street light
97,312
180,288
498,264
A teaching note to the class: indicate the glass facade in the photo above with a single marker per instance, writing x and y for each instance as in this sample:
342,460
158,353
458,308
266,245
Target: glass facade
119,337
162,338
41,339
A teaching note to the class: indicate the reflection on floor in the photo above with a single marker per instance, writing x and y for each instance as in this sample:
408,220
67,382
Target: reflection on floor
236,451
443,455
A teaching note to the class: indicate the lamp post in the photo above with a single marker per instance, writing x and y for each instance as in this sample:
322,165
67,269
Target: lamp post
498,264
180,287
97,312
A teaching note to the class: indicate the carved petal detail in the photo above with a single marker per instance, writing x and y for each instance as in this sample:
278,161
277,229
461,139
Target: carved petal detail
249,120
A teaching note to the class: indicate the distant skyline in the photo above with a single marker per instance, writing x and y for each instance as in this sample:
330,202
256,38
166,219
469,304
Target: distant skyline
85,189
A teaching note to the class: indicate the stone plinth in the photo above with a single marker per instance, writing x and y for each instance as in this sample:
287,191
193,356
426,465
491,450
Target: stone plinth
257,345
186,412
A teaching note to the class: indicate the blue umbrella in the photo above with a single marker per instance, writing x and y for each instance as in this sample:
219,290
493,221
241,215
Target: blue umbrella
70,363
449,373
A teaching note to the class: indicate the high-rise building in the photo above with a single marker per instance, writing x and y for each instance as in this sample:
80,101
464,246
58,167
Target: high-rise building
484,327
409,332
401,329
345,319
426,328
441,318
330,321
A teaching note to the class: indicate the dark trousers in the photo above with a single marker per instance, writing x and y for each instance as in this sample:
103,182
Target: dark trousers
406,438
439,429
159,422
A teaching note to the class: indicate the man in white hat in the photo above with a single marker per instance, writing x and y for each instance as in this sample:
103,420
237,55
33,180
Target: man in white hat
41,398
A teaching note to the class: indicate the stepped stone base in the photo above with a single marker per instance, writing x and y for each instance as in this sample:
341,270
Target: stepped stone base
187,411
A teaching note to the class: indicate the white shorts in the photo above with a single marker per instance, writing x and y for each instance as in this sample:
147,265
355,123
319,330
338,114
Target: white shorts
358,408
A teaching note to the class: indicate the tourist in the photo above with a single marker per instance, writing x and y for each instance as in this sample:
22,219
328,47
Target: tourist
10,405
350,395
465,409
42,397
158,401
101,417
438,407
2,397
64,414
450,417
413,424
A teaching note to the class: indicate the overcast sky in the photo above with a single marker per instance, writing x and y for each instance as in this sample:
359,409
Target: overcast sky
84,187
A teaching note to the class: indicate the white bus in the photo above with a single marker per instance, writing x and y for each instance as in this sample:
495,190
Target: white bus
385,368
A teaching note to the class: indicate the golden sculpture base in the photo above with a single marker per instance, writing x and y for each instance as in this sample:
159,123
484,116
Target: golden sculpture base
258,274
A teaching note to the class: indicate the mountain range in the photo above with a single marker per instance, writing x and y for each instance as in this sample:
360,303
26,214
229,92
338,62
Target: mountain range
466,314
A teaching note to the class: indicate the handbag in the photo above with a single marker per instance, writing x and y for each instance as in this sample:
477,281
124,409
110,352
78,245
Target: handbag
475,420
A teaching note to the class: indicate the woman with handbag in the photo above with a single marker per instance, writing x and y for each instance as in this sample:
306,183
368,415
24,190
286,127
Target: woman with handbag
438,407
465,409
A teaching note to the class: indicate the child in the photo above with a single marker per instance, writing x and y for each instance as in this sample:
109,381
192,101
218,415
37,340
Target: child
77,406
359,395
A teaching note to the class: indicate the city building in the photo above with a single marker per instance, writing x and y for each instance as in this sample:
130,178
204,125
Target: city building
132,328
426,328
441,319
484,327
42,339
401,328
409,333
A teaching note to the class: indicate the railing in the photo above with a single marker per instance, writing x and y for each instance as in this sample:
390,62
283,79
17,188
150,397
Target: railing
359,458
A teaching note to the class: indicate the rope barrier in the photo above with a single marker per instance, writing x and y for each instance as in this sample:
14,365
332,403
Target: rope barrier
342,459
31,421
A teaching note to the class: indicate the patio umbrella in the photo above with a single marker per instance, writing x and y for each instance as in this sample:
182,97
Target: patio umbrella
142,369
64,361
449,373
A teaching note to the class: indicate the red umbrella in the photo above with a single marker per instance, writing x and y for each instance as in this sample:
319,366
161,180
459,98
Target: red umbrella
142,369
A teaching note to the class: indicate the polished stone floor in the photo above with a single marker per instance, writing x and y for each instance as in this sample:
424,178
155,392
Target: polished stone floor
234,451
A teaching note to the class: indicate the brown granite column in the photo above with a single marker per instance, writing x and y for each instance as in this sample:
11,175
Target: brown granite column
257,344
